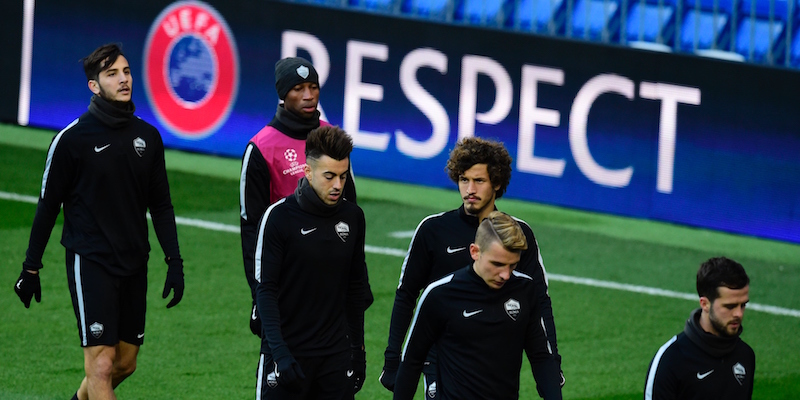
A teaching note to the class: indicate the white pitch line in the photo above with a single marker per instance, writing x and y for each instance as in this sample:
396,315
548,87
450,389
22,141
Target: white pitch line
402,234
216,226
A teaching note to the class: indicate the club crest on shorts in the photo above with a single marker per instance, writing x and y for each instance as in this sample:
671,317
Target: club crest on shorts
139,145
432,390
739,373
191,69
272,380
96,329
343,230
512,308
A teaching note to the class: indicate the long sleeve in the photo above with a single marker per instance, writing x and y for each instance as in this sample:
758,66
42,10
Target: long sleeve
546,368
59,171
414,276
254,198
357,289
427,326
161,210
270,249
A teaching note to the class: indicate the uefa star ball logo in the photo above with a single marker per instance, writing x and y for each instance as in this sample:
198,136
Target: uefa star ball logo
191,69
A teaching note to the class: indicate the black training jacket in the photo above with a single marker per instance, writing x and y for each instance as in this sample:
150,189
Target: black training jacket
480,334
696,365
440,246
312,275
106,178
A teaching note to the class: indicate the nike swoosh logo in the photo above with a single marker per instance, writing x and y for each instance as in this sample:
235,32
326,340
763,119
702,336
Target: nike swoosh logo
307,231
702,376
19,285
456,250
254,314
469,314
99,149
349,373
141,335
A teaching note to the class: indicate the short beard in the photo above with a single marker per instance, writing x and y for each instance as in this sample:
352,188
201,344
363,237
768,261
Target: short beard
720,327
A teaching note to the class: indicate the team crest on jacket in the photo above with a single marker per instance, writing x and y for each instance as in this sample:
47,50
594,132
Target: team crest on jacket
96,329
191,69
272,380
343,230
739,373
139,145
512,308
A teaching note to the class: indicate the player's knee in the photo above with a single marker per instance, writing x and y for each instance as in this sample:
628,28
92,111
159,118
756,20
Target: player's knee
100,367
124,369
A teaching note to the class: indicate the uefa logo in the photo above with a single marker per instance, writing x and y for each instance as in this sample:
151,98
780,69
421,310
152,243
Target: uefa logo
191,69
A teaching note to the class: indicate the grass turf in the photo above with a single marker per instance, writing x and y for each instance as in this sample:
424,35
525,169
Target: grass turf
202,349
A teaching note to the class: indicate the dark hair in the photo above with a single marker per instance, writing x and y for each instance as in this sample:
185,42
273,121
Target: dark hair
330,141
717,272
472,150
100,60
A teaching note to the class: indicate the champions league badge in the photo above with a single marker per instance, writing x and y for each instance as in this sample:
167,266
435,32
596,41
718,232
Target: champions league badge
191,69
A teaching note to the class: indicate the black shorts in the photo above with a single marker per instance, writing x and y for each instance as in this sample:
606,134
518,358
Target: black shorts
326,378
108,308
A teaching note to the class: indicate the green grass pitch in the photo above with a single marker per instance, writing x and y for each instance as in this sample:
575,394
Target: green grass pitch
202,349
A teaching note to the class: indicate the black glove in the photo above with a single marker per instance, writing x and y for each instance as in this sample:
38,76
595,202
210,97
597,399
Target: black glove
288,372
255,321
389,373
358,367
174,280
28,286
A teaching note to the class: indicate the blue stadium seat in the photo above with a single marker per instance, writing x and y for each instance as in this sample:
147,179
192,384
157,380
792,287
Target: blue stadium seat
758,37
379,5
649,21
538,15
702,28
594,19
434,9
483,12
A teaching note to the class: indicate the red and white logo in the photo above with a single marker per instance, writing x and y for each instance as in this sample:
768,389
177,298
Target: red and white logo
191,69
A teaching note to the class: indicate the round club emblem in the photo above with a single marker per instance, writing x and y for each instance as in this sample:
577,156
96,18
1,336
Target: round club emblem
191,69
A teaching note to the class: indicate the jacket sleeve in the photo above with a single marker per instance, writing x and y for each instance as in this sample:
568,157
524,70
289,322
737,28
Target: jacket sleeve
269,253
426,329
254,198
358,288
59,171
533,265
545,367
160,205
414,276
662,383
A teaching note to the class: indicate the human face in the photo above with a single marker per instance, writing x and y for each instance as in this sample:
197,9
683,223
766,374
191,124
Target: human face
494,264
477,191
302,99
327,176
115,83
723,316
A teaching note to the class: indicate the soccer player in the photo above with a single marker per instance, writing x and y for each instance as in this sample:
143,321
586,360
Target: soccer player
274,159
312,280
482,170
709,359
481,318
107,169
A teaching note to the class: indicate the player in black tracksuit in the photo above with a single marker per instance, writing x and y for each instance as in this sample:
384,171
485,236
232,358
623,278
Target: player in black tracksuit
107,169
708,360
695,365
440,246
312,276
480,332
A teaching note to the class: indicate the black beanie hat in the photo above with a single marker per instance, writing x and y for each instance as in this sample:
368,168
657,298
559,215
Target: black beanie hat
292,71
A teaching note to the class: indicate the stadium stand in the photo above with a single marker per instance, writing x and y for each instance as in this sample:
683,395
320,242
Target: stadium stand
765,32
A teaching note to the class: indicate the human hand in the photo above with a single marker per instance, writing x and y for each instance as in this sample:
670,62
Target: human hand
288,373
358,367
255,321
28,286
174,281
389,373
